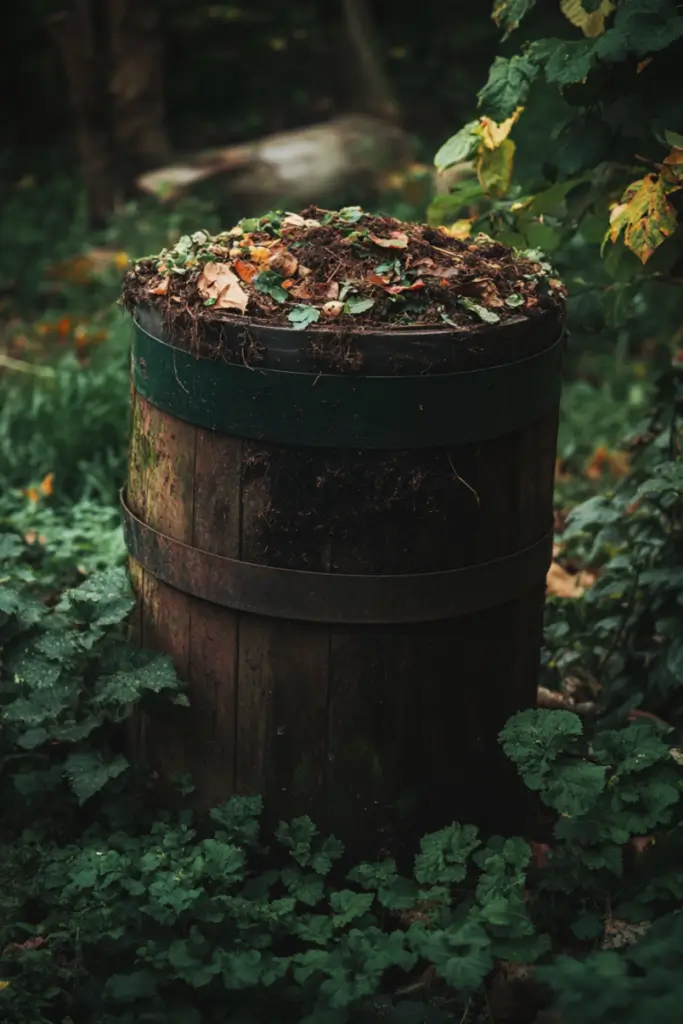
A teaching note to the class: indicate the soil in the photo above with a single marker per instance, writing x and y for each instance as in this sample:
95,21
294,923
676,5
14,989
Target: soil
331,272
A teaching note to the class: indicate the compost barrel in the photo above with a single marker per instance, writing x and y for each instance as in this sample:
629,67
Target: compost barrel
346,567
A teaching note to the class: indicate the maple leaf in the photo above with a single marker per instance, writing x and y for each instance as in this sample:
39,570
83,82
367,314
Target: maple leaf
644,215
219,283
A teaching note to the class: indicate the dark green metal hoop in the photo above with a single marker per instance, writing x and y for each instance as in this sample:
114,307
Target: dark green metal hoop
346,411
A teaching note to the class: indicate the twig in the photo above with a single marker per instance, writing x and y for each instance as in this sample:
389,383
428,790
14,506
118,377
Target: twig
19,366
460,479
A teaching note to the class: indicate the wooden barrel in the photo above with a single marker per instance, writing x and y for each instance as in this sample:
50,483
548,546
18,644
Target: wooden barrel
344,548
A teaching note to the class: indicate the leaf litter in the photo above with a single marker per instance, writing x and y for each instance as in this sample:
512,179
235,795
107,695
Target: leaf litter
347,268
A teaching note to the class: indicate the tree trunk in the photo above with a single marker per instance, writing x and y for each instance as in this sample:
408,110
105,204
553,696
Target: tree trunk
75,37
371,91
136,85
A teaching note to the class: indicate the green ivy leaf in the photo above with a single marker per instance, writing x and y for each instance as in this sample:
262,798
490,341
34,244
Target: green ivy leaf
489,316
564,62
129,988
443,855
32,738
355,306
304,886
129,686
301,316
270,283
241,970
459,147
574,789
326,852
534,739
238,819
88,772
347,905
447,208
461,954
297,836
104,599
222,860
508,85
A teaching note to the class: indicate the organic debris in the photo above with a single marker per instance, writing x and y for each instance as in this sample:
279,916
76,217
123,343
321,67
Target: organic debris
344,268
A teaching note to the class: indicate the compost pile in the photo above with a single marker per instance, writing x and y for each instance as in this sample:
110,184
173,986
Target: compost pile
344,269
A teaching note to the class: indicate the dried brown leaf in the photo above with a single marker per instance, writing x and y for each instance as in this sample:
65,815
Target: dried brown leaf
284,263
398,240
217,281
560,583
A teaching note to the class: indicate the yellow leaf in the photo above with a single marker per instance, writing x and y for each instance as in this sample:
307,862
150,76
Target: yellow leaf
675,157
494,168
4,985
591,23
672,169
121,260
460,229
493,134
644,215
32,495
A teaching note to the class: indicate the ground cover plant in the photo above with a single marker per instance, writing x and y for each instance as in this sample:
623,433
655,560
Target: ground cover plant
111,911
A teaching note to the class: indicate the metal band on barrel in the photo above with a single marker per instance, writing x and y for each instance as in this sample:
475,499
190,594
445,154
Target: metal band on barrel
347,410
335,598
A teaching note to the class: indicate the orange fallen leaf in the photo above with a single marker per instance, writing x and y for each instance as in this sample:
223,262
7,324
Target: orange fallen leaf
259,254
398,240
160,287
288,283
380,279
245,271
617,463
560,583
217,281
395,289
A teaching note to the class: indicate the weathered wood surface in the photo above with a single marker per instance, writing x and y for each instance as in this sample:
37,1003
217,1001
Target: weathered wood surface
377,732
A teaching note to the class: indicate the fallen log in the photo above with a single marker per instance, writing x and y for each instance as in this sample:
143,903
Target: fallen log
345,158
